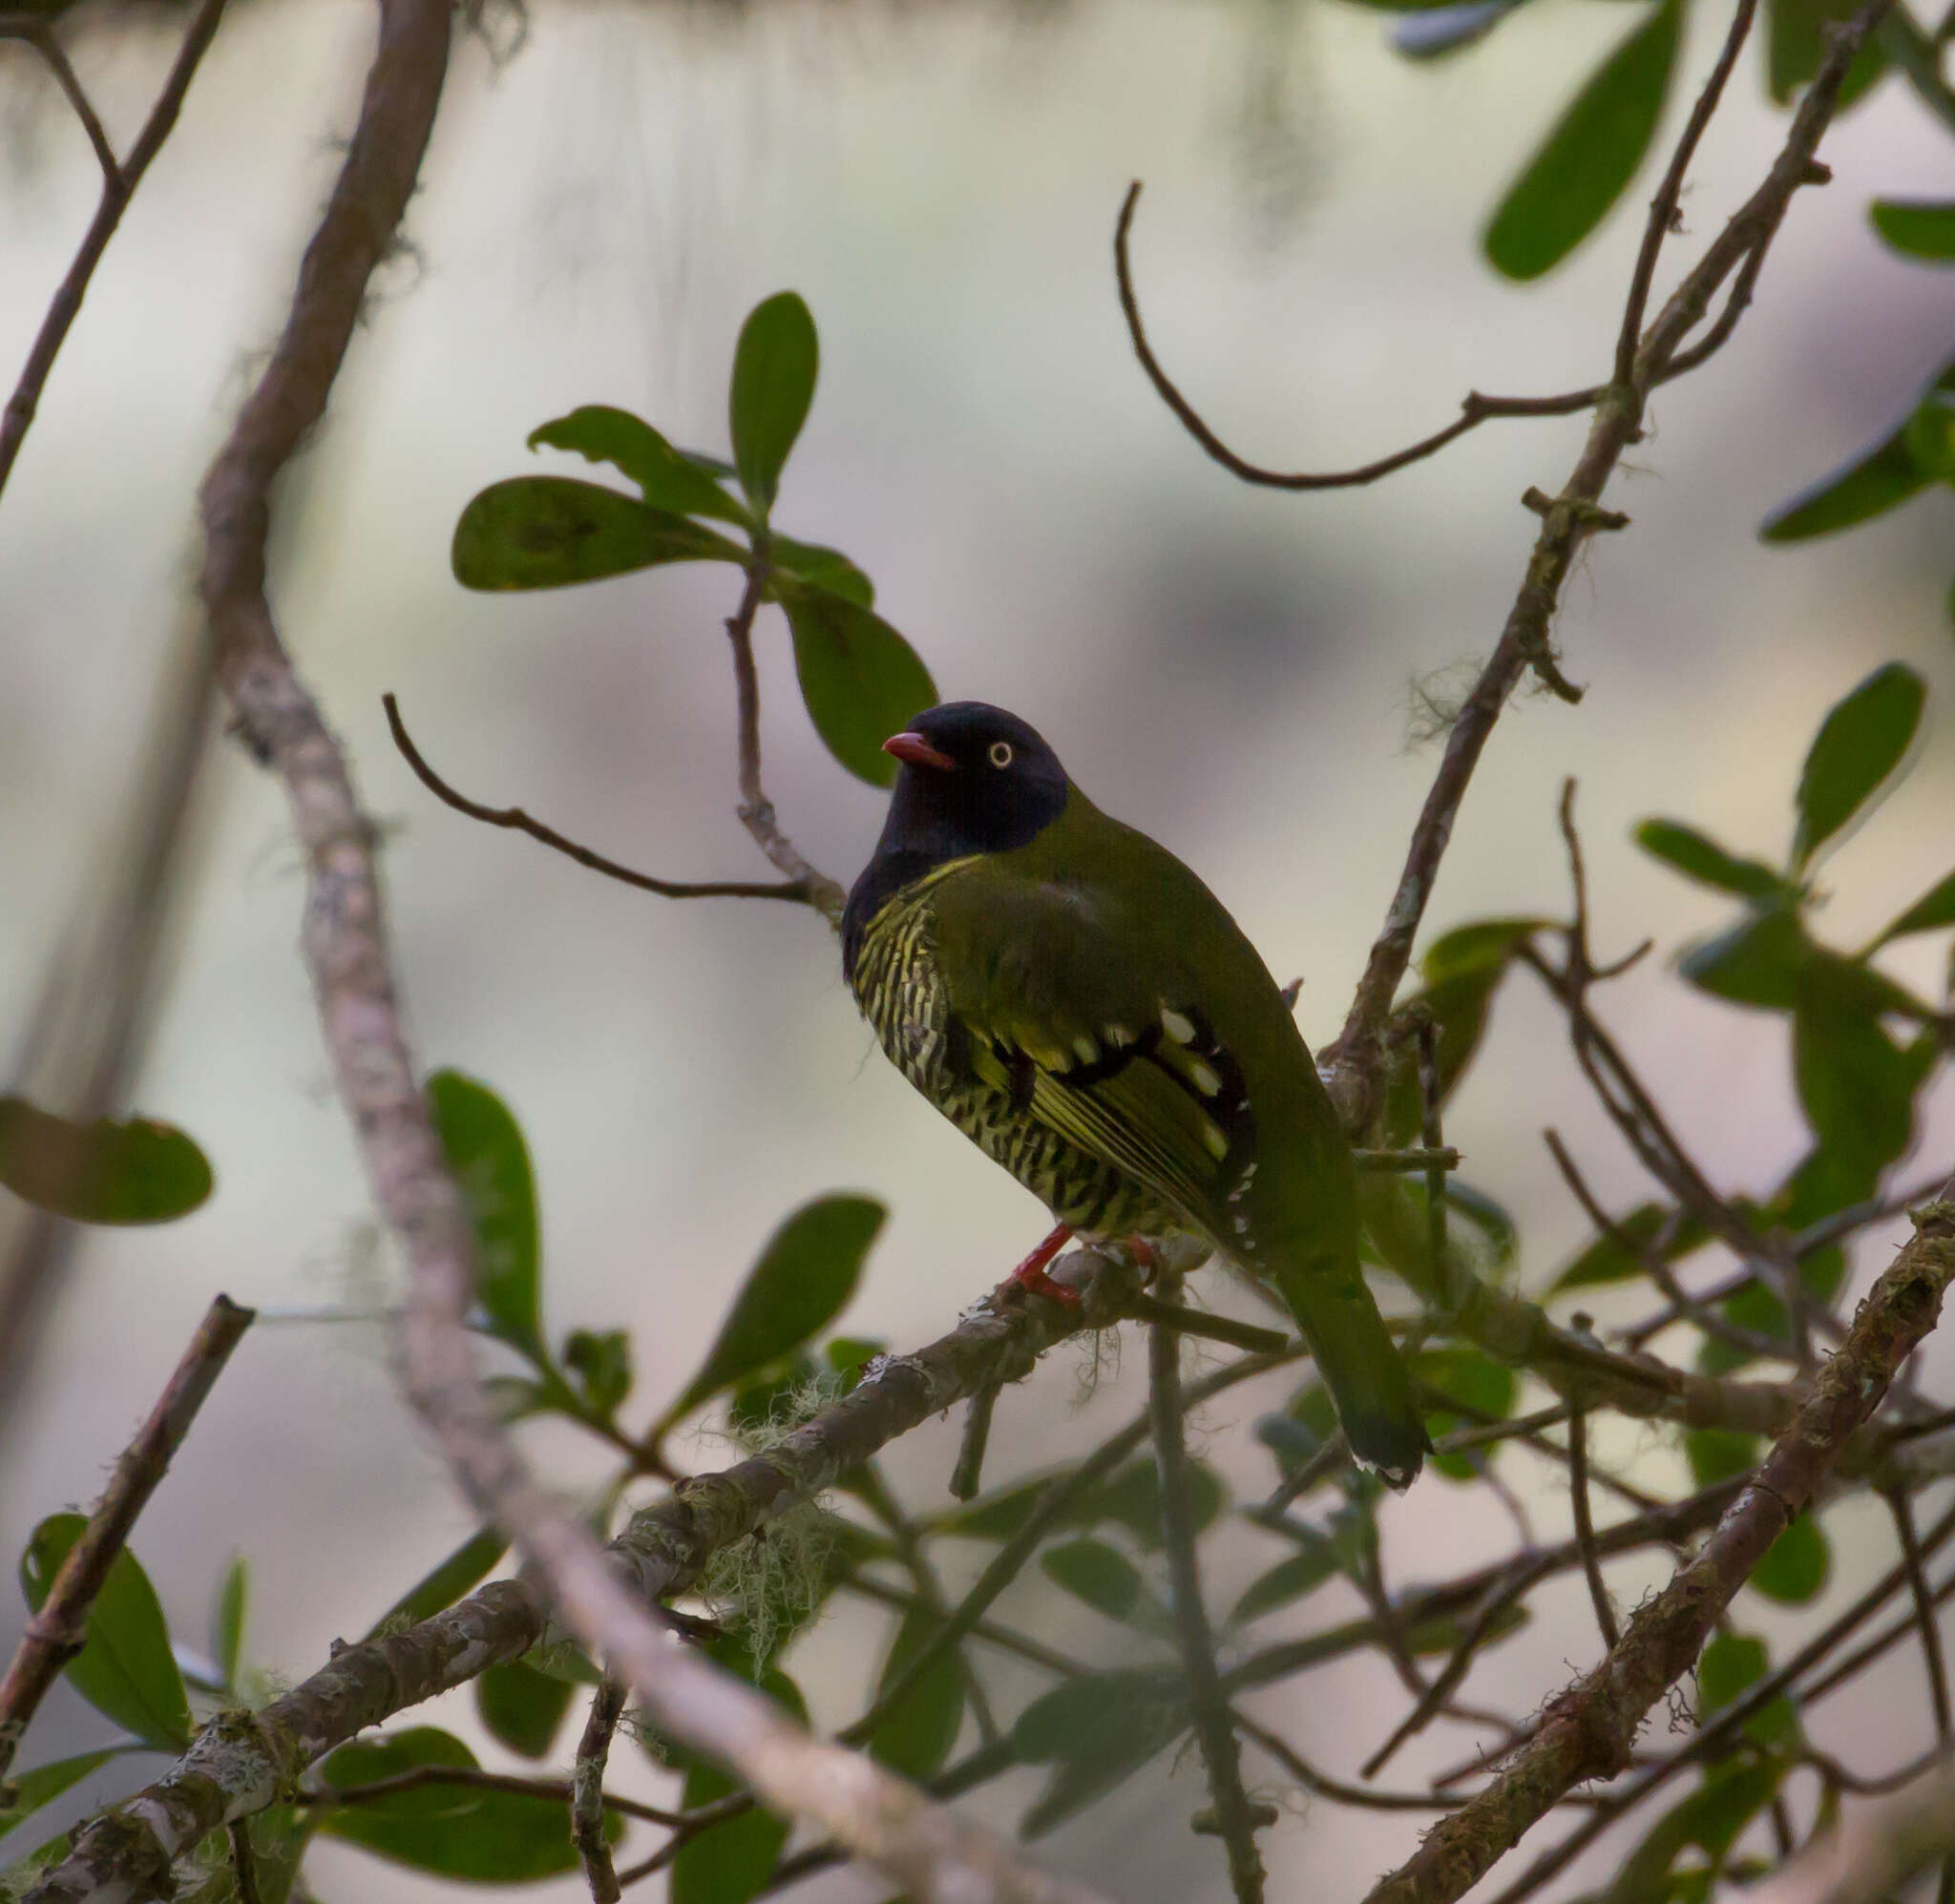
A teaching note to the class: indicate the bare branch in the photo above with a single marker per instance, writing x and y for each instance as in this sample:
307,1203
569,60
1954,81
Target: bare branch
1474,409
1589,1730
516,818
54,1635
1214,1724
1584,1529
118,187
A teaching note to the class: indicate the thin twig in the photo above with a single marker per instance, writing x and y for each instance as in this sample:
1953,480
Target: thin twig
1899,1506
516,818
473,1778
587,1791
118,187
1214,1724
243,1863
1321,1785
967,1478
1584,1529
1179,1316
1474,409
54,1635
41,36
756,810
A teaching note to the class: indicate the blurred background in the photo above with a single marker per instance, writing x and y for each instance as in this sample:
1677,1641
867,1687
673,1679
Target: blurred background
1239,673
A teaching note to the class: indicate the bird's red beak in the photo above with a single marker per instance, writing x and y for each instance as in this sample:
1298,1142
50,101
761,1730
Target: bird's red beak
916,751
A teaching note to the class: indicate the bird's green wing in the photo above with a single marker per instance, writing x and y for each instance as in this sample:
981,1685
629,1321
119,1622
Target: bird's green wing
1089,1040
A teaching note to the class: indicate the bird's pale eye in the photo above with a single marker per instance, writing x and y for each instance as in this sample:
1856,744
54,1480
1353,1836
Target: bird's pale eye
1001,753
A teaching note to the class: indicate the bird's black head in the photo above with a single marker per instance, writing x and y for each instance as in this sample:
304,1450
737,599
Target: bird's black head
974,780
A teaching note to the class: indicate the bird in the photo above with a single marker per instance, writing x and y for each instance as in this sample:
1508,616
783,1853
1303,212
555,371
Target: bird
1076,1002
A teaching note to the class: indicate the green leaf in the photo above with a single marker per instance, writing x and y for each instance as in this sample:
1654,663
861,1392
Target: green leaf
1708,862
444,1584
998,1515
860,680
44,1784
521,1707
1929,434
1480,1389
1719,1455
1131,1497
820,568
1860,744
848,1355
486,1152
1605,1260
124,1668
552,532
1757,962
1588,160
1795,1564
1100,1728
666,478
730,1862
227,1620
1709,1820
1796,44
1286,1582
1921,228
1484,947
774,367
107,1172
602,1363
1874,482
1731,1665
1934,909
916,1737
453,1830
804,1275
1098,1574
1856,1085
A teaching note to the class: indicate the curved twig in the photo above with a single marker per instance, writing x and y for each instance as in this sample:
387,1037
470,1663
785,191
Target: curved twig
515,818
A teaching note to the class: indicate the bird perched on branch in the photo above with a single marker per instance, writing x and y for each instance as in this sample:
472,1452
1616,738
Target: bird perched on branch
1083,1009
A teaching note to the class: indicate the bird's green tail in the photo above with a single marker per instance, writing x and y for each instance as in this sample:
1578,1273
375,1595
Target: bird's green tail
1361,1367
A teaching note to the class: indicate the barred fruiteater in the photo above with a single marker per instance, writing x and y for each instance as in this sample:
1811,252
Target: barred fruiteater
1084,1010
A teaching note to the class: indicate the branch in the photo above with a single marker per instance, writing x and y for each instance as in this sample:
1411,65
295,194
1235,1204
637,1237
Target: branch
1584,1529
1354,1065
1589,1731
756,810
53,1636
516,818
1474,408
232,1771
1214,1726
587,1791
118,187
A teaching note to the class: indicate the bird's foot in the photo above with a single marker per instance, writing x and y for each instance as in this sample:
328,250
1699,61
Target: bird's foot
1030,1277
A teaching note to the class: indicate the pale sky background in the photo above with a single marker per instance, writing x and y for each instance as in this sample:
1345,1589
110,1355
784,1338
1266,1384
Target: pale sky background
1226,668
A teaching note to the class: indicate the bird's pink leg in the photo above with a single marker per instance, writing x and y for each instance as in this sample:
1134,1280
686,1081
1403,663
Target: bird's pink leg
1030,1274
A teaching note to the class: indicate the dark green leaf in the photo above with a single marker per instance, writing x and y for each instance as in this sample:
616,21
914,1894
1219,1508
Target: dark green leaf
1796,44
1484,947
860,680
730,1862
521,1707
916,1737
1795,1564
1855,1083
848,1355
125,1668
1480,1390
804,1275
1929,434
107,1172
1709,1820
1921,228
1588,160
1874,482
466,1567
1286,1582
42,1785
1757,962
1100,1730
666,478
1860,744
1098,1574
602,1363
998,1515
227,1620
1708,862
774,367
1934,909
491,1162
453,1830
1492,1223
1132,1497
1607,1260
821,568
1719,1455
550,531
1731,1665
